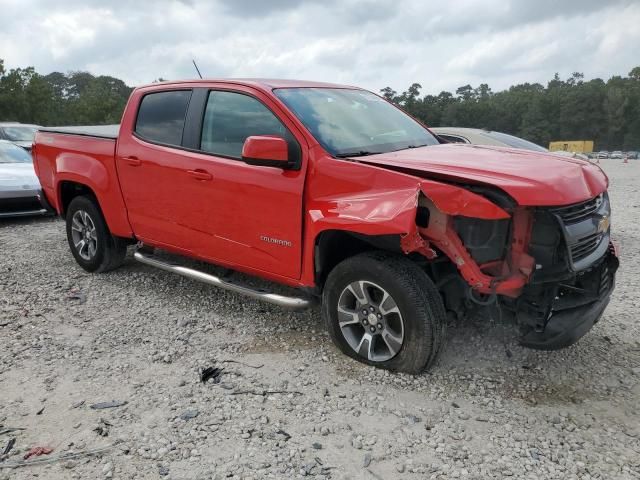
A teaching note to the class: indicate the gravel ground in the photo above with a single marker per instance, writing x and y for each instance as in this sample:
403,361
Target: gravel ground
288,404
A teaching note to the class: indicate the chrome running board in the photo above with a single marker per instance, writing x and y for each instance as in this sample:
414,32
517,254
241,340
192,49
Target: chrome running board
280,300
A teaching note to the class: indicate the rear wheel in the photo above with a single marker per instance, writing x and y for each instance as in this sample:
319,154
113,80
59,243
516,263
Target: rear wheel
90,240
383,310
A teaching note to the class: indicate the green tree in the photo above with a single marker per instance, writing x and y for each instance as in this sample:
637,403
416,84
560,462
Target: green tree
60,99
607,112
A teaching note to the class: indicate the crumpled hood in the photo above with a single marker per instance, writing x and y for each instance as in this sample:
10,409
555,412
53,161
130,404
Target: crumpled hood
531,178
18,176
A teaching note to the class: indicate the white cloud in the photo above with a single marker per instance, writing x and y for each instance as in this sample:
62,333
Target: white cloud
63,33
372,43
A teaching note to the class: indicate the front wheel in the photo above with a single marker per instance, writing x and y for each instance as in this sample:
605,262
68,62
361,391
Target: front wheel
90,240
383,310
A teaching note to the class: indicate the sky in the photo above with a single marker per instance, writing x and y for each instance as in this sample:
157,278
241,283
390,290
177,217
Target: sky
368,43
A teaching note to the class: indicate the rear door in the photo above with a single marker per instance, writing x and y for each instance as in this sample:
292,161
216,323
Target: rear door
152,168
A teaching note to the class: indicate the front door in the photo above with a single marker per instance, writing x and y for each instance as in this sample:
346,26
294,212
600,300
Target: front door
253,213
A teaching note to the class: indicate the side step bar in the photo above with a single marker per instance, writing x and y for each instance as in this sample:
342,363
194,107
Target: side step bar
280,300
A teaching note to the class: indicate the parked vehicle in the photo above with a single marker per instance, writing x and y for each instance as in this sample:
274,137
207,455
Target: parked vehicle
603,154
21,134
580,156
337,192
478,136
19,186
632,155
577,146
616,154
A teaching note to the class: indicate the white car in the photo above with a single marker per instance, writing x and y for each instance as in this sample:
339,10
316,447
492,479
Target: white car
20,191
478,136
21,134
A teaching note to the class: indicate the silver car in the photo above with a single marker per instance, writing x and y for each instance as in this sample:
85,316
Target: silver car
478,136
19,133
20,191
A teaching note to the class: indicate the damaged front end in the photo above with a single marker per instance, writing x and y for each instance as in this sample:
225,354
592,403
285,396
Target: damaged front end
481,243
554,268
490,253
576,264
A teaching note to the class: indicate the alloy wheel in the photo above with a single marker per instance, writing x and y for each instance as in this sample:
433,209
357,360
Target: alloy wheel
84,235
370,321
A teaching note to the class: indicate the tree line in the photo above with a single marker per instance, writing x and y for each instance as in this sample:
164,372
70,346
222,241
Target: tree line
74,98
572,109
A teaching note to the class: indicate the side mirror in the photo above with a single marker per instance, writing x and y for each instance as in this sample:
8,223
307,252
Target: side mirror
266,151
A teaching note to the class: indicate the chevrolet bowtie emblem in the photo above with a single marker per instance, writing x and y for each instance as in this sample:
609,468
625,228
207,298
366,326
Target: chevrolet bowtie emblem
603,224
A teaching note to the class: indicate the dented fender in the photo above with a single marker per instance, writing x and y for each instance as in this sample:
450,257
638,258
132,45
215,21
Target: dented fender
376,201
454,200
394,211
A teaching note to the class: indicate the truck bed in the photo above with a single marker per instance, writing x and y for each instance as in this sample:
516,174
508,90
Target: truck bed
100,131
62,154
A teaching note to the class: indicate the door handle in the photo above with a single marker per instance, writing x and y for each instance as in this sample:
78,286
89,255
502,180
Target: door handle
200,174
133,161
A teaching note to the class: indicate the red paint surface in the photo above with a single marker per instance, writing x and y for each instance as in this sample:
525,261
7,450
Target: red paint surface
531,178
230,213
262,147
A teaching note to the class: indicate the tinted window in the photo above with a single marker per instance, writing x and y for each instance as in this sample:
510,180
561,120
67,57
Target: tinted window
20,134
161,116
232,117
10,153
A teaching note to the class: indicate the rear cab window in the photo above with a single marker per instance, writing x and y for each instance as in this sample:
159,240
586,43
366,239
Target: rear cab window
161,116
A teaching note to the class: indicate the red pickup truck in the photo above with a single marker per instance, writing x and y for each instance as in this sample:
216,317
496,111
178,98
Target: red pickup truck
334,191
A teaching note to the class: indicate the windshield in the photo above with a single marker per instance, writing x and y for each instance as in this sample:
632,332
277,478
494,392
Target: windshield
354,122
10,153
20,134
514,142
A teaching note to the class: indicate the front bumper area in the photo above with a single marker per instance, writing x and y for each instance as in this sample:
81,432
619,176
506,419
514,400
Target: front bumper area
571,309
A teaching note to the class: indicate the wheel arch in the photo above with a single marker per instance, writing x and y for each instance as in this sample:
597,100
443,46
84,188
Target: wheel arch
69,189
70,185
334,246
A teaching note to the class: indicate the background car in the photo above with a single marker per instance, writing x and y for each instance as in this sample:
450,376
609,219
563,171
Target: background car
19,186
21,134
478,136
603,154
616,154
578,155
632,155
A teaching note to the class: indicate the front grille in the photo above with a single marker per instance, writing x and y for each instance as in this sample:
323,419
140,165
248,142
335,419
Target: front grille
585,246
579,211
605,279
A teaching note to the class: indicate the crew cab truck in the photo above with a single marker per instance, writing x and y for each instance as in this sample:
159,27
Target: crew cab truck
334,191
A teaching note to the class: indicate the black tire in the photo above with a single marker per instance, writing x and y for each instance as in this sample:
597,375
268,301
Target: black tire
416,296
109,252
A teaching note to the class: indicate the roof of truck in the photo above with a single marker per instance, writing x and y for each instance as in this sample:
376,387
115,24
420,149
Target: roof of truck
264,83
